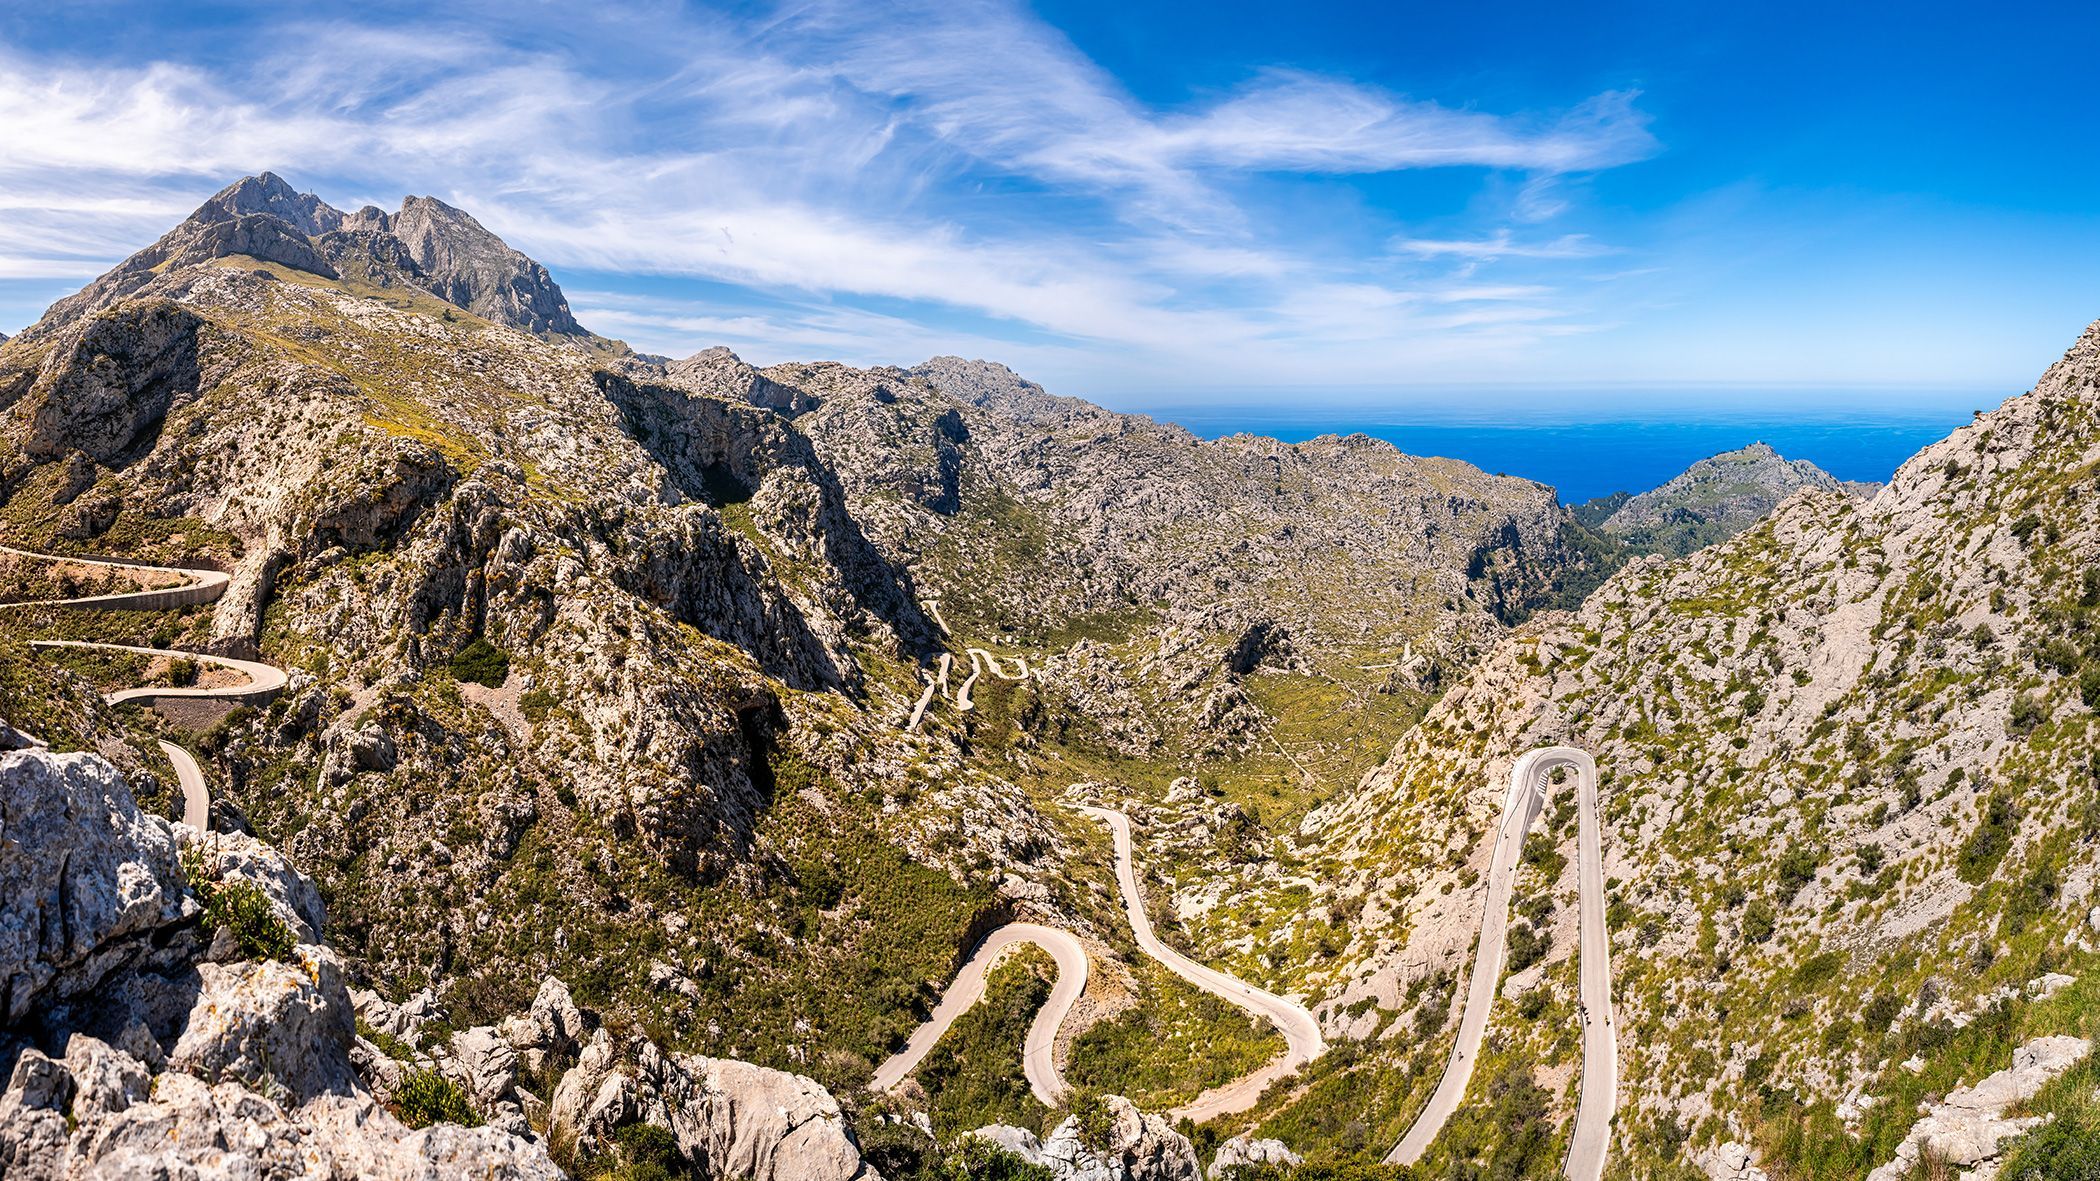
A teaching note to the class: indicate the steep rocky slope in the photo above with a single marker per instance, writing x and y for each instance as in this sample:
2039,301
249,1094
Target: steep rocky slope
1851,801
1712,500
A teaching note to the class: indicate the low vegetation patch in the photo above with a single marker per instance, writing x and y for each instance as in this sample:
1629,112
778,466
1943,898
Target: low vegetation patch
481,663
426,1097
239,906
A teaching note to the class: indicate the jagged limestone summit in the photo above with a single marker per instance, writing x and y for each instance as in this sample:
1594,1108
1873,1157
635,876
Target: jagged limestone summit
661,737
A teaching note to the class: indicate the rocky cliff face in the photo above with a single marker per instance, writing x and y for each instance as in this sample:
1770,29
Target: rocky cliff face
140,1038
1848,793
1717,498
149,1032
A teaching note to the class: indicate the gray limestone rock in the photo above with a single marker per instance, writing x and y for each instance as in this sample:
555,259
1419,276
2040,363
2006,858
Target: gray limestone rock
86,882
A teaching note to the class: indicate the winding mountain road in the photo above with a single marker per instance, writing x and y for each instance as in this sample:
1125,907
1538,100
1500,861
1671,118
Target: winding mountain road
1301,1033
1302,1040
1588,1147
981,662
1038,1060
264,681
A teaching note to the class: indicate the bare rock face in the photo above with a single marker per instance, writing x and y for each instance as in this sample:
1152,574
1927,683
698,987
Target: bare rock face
86,883
1139,1146
553,1028
270,1024
1245,1152
719,373
111,380
462,263
731,1120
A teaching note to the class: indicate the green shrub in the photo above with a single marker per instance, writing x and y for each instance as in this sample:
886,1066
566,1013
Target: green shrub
648,1153
537,704
1797,868
2034,896
1759,921
1881,1012
2027,713
1819,969
2089,686
2061,1150
182,672
482,663
239,906
426,1097
243,908
1097,1122
1986,846
387,1043
1526,947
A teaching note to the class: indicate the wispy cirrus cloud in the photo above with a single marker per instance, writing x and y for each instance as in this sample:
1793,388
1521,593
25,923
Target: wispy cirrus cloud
1503,244
961,172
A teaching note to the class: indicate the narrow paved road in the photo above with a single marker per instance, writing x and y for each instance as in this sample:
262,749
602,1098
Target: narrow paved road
204,586
264,680
1038,1055
1590,1144
196,798
1301,1033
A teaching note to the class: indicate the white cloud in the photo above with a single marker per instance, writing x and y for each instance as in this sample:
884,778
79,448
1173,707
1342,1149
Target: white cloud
954,162
1502,245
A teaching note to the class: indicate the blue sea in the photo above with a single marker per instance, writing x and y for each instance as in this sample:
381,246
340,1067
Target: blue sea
1616,450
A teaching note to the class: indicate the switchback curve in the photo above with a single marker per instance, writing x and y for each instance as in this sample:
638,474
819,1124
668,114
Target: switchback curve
1591,1141
1301,1032
204,586
1038,1058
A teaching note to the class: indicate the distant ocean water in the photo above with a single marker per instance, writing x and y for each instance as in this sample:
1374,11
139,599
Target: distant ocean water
1624,451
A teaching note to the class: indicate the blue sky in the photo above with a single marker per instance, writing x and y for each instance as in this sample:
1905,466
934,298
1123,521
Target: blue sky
1162,203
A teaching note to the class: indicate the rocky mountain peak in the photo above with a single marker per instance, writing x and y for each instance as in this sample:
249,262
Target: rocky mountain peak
720,373
270,195
428,245
991,386
462,263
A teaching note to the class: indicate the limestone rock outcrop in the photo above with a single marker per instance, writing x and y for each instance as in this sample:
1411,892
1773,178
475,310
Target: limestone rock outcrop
86,884
135,1046
1967,1128
1245,1152
729,1119
1136,1146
